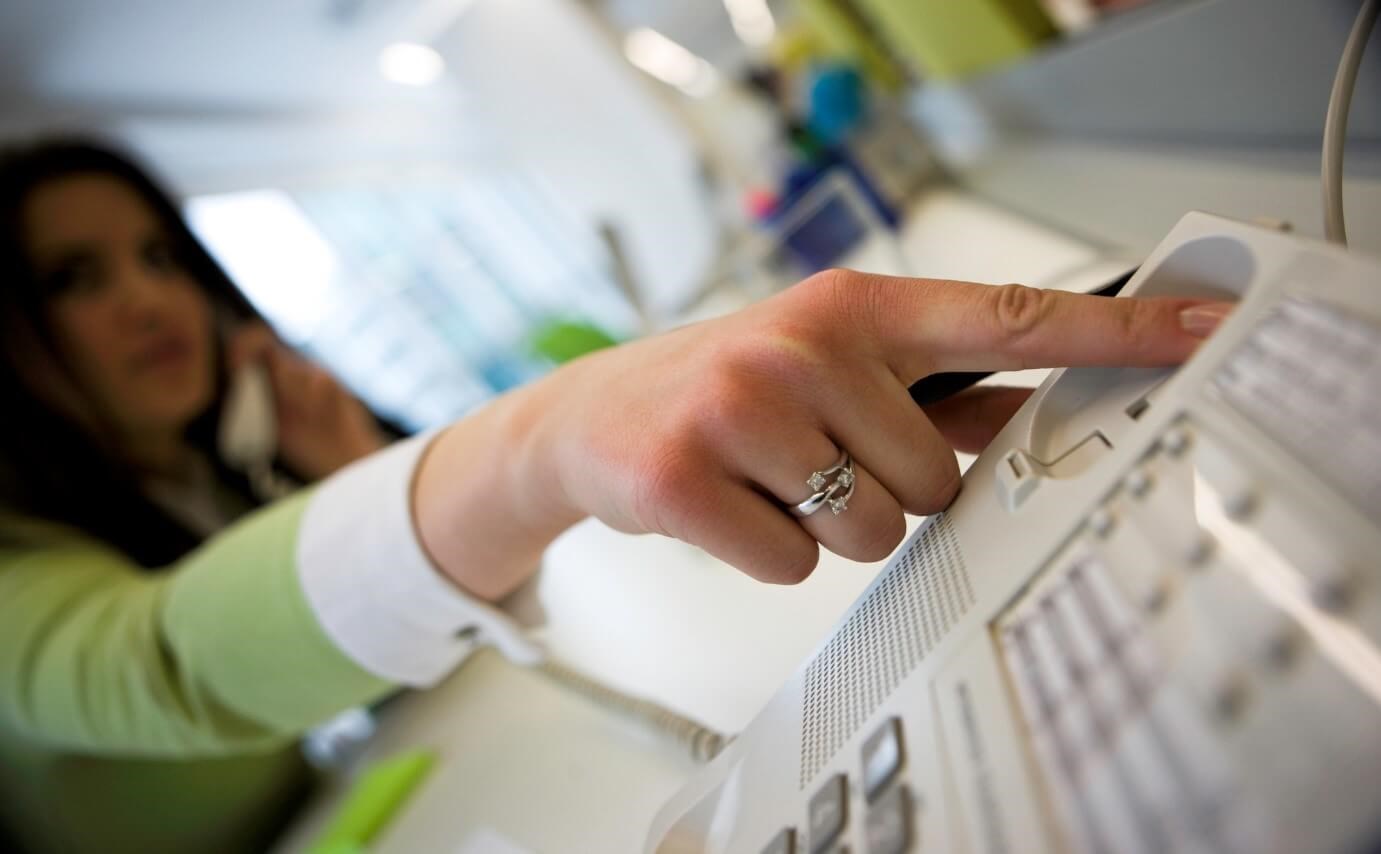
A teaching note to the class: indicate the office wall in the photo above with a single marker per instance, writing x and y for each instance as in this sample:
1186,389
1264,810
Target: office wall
1228,72
557,98
1214,105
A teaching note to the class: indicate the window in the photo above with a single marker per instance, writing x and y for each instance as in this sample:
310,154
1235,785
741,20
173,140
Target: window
424,296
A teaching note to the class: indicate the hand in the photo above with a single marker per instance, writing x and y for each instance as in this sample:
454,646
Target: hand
321,427
708,433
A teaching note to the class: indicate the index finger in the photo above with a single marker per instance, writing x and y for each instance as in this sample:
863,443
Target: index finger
929,326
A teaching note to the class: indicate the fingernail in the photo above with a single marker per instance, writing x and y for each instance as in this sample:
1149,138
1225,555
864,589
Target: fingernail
1201,320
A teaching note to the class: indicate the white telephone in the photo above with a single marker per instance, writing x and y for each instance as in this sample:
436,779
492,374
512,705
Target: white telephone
247,437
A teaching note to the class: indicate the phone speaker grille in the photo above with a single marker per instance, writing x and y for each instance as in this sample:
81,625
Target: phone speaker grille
924,593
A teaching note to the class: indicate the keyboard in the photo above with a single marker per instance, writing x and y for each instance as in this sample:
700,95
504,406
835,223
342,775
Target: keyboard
1150,622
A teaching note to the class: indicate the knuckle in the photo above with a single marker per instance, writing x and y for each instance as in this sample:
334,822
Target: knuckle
741,380
664,484
842,298
730,402
826,282
1016,310
1133,320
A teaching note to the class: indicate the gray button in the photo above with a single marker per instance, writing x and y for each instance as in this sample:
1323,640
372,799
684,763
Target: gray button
888,826
1175,441
782,843
829,811
1139,483
881,757
1102,522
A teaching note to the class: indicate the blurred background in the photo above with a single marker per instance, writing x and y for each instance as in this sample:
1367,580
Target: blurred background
441,199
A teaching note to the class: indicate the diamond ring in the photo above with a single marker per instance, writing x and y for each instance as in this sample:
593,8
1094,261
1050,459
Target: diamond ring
833,486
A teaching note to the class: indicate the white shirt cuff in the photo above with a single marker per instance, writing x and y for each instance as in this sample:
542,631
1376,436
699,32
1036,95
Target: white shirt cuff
373,588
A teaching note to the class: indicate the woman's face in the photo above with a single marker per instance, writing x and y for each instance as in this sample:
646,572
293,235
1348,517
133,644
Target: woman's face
133,326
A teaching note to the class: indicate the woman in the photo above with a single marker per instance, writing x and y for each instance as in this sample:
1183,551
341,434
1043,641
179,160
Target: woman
111,387
163,642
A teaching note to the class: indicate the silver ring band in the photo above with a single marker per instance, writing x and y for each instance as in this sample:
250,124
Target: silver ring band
833,486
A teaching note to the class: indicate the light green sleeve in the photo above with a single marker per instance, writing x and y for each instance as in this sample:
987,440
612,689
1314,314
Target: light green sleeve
218,654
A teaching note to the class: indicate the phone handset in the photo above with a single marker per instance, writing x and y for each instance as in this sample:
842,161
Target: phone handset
247,436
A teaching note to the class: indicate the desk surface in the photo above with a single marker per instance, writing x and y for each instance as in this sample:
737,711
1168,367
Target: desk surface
526,763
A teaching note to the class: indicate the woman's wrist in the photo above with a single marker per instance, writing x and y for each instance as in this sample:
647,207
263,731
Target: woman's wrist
487,497
529,428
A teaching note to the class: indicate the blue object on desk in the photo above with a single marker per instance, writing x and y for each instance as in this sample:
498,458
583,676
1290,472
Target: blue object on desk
838,102
822,238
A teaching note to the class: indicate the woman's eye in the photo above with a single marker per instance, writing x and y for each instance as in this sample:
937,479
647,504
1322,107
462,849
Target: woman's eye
75,278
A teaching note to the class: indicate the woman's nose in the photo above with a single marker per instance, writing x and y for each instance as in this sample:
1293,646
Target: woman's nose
143,297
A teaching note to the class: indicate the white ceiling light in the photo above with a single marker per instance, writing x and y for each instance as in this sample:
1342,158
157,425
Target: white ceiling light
669,62
752,21
411,64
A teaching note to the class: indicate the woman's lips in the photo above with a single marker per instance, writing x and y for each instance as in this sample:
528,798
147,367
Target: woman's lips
164,354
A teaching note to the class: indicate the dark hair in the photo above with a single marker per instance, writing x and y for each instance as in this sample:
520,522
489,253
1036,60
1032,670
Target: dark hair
50,466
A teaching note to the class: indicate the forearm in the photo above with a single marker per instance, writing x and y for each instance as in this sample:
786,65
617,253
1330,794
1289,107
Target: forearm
488,498
322,601
219,654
